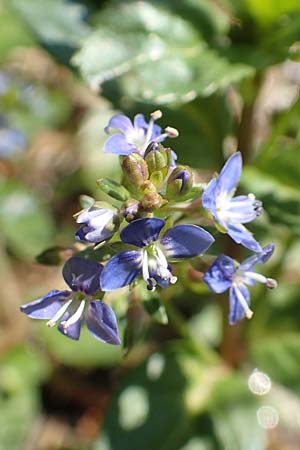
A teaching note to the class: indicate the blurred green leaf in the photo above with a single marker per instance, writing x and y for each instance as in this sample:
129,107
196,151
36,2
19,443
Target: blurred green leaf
268,11
280,201
234,416
54,21
87,352
26,223
21,370
279,356
14,33
155,65
17,413
163,394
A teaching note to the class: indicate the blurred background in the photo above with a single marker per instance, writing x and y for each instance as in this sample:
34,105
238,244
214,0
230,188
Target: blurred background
226,74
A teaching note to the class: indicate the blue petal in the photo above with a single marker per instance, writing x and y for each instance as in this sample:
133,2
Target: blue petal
118,145
156,132
140,122
101,322
218,276
173,160
82,274
47,306
236,311
259,258
209,196
241,235
80,234
119,122
73,330
121,270
186,241
230,174
142,231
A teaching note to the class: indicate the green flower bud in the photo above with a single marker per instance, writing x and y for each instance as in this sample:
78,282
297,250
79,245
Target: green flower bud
113,189
135,169
156,157
180,182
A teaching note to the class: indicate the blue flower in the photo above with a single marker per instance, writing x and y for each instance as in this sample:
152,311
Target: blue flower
232,212
136,136
225,274
70,307
99,224
150,259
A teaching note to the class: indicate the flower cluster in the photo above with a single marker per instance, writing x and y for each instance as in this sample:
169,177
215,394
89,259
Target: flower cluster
145,231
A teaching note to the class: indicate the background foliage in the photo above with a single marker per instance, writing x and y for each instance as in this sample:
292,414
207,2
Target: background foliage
225,73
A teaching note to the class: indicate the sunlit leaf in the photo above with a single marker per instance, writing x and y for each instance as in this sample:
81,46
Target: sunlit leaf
154,65
56,22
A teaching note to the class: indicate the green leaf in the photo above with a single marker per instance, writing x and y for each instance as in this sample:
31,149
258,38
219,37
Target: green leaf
163,394
56,22
55,256
26,223
155,65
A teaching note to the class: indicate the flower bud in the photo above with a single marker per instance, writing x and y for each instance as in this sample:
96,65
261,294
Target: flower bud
180,182
135,169
151,200
130,210
156,157
98,224
113,189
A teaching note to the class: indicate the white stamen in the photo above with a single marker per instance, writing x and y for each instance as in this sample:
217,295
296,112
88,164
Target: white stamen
145,269
172,132
75,317
161,258
173,279
271,283
257,277
243,302
156,114
51,323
